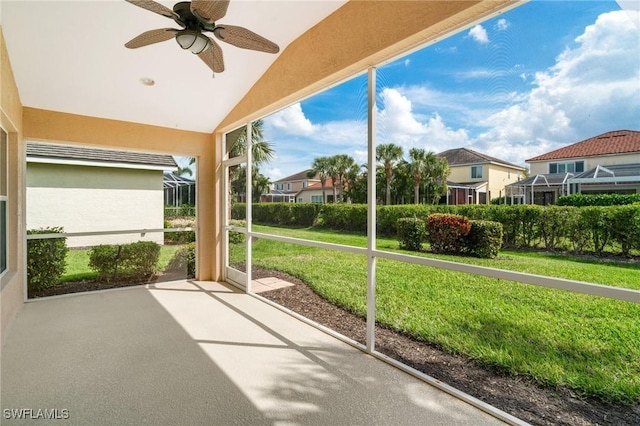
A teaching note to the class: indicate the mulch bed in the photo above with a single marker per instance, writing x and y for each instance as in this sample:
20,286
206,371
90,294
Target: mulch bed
514,395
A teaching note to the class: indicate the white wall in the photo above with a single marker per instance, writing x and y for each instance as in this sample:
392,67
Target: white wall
90,199
542,167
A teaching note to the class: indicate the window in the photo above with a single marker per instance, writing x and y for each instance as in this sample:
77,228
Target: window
304,183
567,167
316,199
288,187
508,174
476,172
279,186
3,200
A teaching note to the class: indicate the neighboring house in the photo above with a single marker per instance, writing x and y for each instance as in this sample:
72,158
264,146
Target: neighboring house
285,190
607,163
91,190
476,178
178,190
313,193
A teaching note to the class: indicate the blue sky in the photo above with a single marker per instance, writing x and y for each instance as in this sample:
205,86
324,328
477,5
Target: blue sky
536,78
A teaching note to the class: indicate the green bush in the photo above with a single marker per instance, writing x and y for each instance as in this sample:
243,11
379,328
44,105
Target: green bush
345,217
625,227
597,224
484,239
554,225
178,237
236,237
134,260
411,232
45,259
583,200
281,214
184,261
447,232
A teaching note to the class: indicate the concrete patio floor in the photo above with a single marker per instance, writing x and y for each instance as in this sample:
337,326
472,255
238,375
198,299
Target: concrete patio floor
189,353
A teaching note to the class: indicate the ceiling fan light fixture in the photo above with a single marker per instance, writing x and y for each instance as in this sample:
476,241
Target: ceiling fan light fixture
192,41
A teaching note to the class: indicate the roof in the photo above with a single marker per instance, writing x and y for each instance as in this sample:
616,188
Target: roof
610,143
328,184
171,180
553,179
298,176
619,171
75,154
464,156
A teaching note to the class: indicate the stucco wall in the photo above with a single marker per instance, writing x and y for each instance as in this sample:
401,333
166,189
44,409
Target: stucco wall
12,282
91,199
542,167
499,177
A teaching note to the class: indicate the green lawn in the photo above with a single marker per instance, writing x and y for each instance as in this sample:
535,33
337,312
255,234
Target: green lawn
78,263
553,337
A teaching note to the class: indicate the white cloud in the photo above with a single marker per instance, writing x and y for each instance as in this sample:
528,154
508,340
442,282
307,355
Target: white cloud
291,120
399,124
590,87
479,34
502,24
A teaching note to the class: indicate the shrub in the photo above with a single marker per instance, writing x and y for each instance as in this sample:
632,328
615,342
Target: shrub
236,237
583,200
134,260
178,237
411,232
625,227
596,222
484,239
345,217
45,259
447,232
282,214
184,261
554,225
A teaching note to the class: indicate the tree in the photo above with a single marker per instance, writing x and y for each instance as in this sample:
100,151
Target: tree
436,179
389,154
342,163
262,151
321,168
418,166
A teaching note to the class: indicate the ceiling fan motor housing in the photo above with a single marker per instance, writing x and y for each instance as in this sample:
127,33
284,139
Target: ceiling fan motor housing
190,21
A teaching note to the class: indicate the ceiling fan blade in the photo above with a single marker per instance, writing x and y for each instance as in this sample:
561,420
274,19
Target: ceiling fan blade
155,7
245,39
212,56
151,37
210,10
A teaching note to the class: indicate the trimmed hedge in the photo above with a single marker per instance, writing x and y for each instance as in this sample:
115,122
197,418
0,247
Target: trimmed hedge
134,260
447,232
411,232
583,200
484,239
46,259
184,261
594,229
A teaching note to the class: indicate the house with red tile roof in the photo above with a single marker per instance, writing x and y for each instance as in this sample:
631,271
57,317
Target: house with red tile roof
607,163
316,193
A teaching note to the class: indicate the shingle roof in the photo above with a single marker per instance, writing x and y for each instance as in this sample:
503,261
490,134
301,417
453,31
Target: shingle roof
70,152
298,176
460,156
616,142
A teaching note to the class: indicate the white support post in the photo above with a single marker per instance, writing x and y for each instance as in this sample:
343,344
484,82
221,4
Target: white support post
371,210
248,204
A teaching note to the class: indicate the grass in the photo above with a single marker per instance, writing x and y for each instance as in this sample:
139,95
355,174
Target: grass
78,264
553,337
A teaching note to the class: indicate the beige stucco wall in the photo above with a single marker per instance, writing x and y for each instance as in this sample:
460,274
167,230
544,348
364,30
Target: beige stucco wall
93,199
542,167
499,177
12,282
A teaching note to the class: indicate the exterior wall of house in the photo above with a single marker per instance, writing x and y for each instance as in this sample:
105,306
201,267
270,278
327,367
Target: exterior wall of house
542,167
294,185
93,199
307,196
500,176
496,176
12,281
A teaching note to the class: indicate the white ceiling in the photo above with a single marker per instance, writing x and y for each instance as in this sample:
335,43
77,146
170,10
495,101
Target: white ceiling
69,56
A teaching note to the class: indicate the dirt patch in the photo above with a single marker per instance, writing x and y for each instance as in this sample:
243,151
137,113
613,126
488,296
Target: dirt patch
514,395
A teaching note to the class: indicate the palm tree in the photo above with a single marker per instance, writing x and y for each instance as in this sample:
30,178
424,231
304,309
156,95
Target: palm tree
437,174
419,165
321,168
389,154
342,163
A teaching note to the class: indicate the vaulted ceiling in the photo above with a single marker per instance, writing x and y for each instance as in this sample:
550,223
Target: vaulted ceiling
69,56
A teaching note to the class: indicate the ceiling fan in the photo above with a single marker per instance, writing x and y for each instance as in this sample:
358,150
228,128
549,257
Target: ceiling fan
196,17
